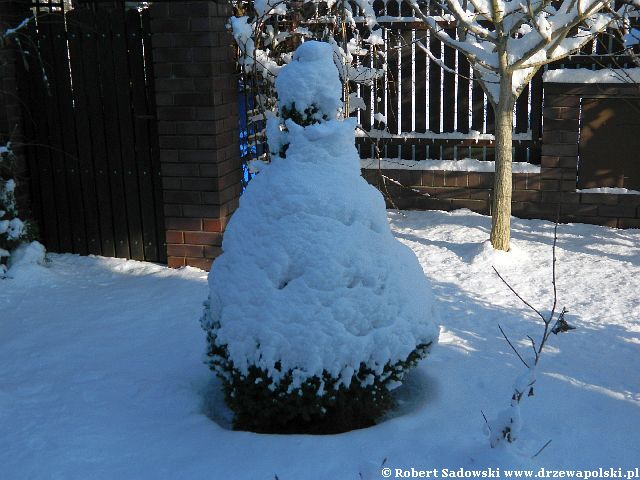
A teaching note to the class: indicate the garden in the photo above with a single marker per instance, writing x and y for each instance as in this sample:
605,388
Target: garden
334,337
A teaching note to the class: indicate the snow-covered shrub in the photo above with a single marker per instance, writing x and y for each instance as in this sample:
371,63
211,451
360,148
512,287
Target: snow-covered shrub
13,230
315,311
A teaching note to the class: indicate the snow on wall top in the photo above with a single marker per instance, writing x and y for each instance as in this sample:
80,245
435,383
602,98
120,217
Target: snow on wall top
470,135
311,278
583,75
613,190
462,165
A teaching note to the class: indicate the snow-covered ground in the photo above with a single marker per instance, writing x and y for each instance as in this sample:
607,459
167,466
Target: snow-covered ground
102,376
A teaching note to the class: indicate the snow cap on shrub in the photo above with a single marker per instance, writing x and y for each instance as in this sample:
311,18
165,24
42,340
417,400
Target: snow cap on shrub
311,82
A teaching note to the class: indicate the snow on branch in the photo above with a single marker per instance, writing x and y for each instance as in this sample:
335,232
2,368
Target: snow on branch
12,32
516,38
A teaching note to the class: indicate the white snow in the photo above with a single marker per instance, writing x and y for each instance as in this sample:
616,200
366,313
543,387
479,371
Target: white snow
614,190
379,117
25,258
270,7
356,103
583,75
13,228
101,372
242,32
462,165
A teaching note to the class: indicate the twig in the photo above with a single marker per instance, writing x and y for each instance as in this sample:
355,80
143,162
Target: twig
560,326
553,267
547,321
485,419
543,447
512,347
518,295
533,346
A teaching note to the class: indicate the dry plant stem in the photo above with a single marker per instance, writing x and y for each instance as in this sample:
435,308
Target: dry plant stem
543,447
560,326
518,295
548,320
512,347
537,349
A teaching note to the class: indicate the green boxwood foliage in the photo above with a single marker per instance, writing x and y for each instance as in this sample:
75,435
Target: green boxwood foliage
318,406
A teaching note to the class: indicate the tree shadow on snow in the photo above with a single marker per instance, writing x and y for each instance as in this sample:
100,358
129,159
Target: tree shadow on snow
581,238
575,237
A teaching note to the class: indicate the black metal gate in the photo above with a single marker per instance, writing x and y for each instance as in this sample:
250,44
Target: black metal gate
91,131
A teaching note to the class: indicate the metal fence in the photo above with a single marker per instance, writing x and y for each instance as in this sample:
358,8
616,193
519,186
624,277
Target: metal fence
432,112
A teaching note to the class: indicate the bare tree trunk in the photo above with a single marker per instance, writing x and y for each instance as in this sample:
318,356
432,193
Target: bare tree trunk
501,201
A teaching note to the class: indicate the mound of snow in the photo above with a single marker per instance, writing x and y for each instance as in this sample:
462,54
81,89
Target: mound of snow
25,259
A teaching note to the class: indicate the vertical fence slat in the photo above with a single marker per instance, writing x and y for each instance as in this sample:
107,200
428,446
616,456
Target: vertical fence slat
435,74
477,106
449,96
463,102
32,87
449,87
127,144
112,131
77,26
141,120
44,152
433,91
380,95
159,251
366,93
393,78
67,124
57,154
421,96
463,94
477,116
90,59
406,94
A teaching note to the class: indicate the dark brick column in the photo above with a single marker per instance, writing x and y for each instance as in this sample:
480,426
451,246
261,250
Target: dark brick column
559,161
12,12
196,96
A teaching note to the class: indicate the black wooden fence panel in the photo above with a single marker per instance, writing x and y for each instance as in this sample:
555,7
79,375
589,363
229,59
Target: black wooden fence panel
91,120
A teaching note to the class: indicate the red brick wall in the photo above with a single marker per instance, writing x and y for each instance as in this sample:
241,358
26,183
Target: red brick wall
196,97
450,190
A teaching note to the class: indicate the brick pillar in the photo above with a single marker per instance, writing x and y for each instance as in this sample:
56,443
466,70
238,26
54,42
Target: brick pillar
196,97
560,156
12,13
